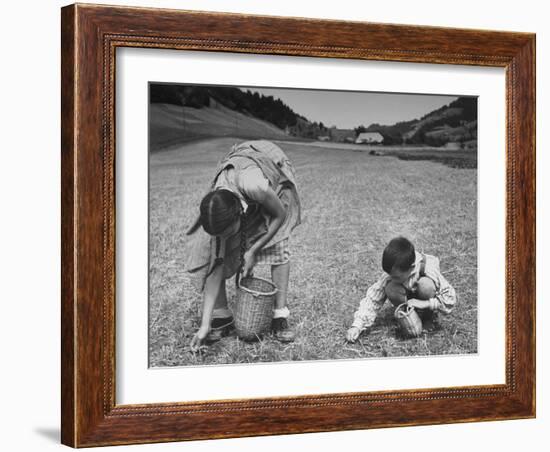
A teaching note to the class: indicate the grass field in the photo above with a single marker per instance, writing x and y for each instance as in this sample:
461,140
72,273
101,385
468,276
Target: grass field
353,203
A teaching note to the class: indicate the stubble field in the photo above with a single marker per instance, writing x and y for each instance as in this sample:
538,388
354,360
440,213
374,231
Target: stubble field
353,204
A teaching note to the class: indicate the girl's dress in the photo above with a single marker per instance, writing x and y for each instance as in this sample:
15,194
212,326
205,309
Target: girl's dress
249,170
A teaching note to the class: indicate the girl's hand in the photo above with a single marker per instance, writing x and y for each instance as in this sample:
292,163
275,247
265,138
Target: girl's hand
199,336
249,261
352,334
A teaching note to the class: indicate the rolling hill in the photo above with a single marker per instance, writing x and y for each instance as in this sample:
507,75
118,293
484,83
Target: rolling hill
172,124
453,124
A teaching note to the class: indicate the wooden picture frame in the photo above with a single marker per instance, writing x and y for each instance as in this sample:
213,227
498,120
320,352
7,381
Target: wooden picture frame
90,36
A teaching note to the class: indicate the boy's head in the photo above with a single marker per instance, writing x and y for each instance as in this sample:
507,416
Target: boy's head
398,259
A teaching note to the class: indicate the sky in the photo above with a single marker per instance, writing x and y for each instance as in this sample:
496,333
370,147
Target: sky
348,109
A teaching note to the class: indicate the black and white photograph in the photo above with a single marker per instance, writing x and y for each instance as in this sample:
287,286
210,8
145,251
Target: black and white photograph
297,225
252,226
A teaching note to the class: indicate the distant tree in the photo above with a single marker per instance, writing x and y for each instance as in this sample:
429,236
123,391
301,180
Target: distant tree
360,129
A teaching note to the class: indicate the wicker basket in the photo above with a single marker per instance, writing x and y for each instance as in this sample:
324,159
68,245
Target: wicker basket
254,307
408,320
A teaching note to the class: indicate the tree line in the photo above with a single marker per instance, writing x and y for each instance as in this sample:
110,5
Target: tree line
266,108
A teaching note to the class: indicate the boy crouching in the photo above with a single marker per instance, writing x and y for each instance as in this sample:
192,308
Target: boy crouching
410,277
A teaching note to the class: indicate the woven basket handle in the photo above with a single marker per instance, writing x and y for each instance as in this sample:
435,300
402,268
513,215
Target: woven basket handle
403,310
256,293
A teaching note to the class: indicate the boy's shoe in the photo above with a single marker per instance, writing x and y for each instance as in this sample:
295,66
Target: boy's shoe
429,320
220,327
281,330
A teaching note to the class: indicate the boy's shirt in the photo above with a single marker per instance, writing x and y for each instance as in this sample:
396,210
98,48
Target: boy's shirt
444,300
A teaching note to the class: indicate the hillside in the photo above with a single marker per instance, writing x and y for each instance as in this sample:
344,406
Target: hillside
266,108
172,124
453,124
245,104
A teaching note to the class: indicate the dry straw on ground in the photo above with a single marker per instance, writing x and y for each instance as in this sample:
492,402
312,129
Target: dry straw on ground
353,203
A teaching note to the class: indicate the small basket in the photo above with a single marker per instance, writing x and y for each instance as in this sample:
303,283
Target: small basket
254,307
408,320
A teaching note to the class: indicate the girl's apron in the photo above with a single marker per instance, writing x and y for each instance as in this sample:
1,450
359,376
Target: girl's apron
278,170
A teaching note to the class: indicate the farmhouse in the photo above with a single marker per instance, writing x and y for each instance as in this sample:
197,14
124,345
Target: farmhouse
369,138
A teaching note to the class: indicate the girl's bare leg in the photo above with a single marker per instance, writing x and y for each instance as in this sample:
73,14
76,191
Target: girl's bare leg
220,305
280,275
279,325
214,296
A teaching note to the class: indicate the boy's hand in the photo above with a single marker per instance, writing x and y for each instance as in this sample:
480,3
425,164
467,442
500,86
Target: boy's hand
419,304
352,334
